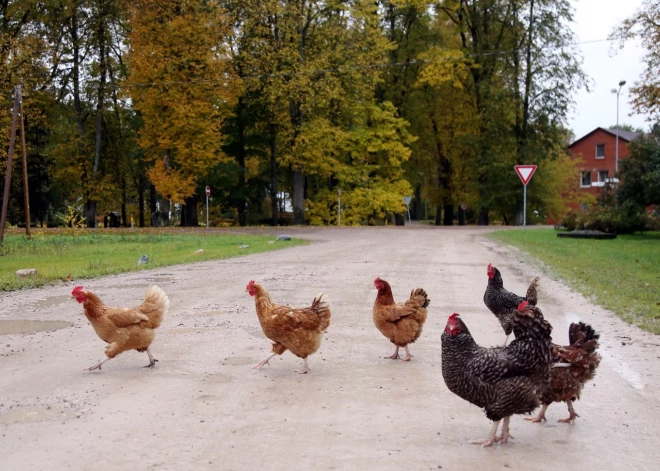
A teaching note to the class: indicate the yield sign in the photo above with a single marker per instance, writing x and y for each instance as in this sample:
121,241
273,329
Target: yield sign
525,172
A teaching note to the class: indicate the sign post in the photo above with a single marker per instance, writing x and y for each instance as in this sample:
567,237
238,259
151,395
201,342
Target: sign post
407,200
525,173
208,192
339,207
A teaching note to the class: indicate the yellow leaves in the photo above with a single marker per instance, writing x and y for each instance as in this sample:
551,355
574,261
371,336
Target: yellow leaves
446,66
172,184
179,47
252,167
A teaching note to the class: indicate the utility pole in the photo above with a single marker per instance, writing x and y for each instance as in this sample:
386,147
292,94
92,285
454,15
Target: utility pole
10,159
26,193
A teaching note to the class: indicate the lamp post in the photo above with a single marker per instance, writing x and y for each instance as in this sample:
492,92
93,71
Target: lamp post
616,150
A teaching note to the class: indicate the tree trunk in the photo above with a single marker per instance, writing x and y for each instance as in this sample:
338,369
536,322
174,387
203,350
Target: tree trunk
482,220
189,216
90,213
240,155
123,203
449,214
100,99
273,174
298,197
438,215
419,207
141,205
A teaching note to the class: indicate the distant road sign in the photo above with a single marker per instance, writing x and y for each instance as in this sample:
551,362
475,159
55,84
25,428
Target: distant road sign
464,207
407,200
208,190
525,172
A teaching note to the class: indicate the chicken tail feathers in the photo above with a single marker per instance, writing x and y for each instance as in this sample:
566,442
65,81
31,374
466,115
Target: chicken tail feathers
155,306
421,297
321,305
532,294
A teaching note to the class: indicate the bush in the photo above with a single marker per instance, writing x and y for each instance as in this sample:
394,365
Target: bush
625,219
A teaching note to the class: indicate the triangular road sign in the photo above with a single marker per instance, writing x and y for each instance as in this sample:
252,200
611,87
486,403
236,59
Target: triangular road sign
525,172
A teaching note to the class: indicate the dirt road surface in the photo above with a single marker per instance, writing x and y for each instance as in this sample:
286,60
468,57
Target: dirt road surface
203,407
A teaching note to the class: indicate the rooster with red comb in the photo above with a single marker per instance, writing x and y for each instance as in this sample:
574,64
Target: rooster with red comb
501,302
504,380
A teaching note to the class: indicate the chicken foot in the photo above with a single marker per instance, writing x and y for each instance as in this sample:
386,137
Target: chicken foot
98,365
505,431
152,360
395,355
573,415
541,416
263,362
408,355
492,437
305,369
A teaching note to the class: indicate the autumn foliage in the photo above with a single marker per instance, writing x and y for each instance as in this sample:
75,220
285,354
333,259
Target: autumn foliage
136,106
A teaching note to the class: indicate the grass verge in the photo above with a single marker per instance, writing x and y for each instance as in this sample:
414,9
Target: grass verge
622,274
79,254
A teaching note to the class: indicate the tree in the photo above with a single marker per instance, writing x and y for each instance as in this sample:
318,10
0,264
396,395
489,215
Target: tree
644,24
628,127
184,89
640,172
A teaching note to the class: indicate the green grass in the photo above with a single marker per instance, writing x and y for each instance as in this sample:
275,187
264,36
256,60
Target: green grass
622,274
80,254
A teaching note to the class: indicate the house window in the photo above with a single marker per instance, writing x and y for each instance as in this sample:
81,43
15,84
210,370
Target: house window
585,179
600,151
603,175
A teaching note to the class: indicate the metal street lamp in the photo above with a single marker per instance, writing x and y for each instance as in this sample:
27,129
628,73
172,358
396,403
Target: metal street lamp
616,150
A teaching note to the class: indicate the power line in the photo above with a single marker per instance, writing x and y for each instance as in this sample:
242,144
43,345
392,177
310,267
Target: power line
339,70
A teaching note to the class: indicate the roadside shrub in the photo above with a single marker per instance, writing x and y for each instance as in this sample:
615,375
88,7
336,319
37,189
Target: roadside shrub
625,219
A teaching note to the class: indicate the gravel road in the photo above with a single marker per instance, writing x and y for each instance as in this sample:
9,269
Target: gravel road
202,407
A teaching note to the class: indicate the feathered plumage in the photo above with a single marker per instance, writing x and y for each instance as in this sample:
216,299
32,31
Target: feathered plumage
296,329
402,323
504,380
573,366
125,328
502,303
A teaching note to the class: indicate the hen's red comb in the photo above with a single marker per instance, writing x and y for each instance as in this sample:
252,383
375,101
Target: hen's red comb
522,305
250,284
453,316
77,289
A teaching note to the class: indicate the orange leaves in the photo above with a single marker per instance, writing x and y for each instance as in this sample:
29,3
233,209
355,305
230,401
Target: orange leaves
172,184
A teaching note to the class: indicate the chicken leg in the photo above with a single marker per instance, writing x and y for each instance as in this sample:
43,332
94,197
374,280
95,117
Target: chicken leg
505,431
506,339
395,355
152,360
408,355
98,365
492,437
305,369
571,418
541,416
264,362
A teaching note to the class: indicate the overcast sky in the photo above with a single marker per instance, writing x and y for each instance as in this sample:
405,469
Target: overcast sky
606,65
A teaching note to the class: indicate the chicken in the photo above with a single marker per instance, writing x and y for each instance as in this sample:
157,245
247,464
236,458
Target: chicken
502,380
501,302
296,329
401,323
125,329
573,366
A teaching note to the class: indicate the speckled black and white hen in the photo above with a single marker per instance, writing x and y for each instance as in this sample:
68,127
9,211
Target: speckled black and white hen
502,303
503,380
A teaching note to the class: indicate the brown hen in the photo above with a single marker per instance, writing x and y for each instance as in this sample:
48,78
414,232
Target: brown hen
125,328
296,329
573,366
400,322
